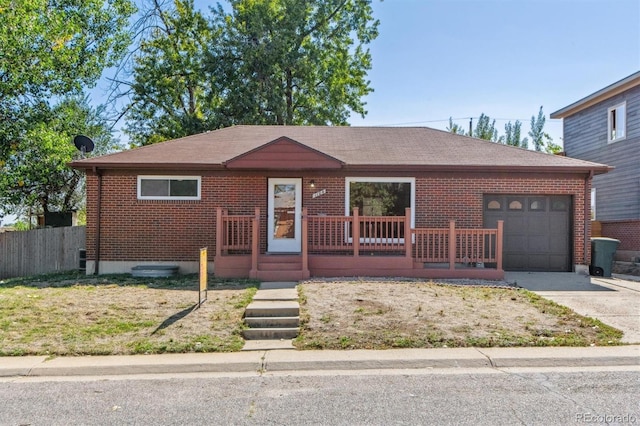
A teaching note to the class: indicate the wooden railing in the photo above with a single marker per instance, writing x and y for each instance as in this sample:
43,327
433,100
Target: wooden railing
235,231
353,235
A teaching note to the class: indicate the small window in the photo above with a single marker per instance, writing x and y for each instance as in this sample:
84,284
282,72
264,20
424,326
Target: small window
617,122
593,204
559,205
537,205
494,205
168,187
515,205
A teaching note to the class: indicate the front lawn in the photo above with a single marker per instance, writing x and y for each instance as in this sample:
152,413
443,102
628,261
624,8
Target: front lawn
72,314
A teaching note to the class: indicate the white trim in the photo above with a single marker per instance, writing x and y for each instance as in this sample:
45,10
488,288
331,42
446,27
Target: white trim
284,245
168,177
347,195
623,117
593,204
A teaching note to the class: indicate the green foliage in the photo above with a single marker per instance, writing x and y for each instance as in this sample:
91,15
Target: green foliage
486,129
455,128
35,173
53,49
264,62
538,136
173,94
512,135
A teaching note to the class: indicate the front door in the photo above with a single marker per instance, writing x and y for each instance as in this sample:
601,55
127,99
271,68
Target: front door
285,211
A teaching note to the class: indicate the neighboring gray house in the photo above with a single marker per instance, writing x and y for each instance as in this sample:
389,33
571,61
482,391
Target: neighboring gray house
604,127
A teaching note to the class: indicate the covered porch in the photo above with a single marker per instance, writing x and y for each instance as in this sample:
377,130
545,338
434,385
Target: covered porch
376,246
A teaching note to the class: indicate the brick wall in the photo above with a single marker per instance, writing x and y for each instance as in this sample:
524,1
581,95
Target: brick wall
133,229
627,231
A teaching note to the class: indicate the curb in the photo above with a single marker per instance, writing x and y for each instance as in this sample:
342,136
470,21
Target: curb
288,360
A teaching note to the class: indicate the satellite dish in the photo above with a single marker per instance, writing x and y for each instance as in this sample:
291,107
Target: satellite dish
83,143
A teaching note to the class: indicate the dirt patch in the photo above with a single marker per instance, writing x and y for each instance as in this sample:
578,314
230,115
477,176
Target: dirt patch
375,315
96,316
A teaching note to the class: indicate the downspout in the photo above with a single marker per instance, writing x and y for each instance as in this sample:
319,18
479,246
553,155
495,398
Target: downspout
587,216
96,269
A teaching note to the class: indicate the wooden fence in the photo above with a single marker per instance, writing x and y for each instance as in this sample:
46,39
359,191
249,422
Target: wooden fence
24,253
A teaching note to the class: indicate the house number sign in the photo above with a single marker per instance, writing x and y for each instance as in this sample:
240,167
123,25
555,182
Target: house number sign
319,193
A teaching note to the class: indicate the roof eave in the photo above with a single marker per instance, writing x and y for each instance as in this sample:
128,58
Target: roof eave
599,96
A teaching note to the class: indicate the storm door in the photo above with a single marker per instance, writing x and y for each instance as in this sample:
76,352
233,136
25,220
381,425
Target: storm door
285,211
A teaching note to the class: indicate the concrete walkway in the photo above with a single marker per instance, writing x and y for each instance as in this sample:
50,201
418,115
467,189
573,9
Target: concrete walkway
283,360
614,301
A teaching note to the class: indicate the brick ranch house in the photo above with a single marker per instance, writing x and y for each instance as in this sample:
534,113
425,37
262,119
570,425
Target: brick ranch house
289,202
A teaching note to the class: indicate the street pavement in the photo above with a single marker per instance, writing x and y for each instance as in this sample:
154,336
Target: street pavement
615,301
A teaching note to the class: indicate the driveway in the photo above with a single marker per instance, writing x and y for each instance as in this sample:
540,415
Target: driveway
614,301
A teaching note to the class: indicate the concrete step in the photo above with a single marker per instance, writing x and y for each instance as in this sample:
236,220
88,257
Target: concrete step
268,345
272,322
272,285
281,275
276,294
272,309
270,333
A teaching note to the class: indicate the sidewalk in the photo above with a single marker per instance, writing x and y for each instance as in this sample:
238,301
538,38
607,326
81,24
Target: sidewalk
287,360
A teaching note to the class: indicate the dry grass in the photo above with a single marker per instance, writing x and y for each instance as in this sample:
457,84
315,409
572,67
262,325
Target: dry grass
378,315
67,314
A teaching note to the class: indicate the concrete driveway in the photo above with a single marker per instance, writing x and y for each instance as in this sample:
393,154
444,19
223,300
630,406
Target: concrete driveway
614,301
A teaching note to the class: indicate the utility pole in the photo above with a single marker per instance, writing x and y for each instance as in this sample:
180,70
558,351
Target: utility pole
470,126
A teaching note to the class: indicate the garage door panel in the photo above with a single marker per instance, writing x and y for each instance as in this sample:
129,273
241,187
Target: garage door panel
558,263
518,261
537,262
537,224
516,243
536,237
514,225
538,243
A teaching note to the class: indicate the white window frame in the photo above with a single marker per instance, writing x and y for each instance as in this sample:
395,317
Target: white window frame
620,111
168,177
347,200
593,204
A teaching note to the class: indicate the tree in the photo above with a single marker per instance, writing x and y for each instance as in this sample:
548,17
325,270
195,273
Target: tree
486,129
264,62
172,93
512,135
293,62
36,175
455,128
538,136
54,48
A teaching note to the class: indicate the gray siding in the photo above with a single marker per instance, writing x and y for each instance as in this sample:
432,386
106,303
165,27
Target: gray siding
585,137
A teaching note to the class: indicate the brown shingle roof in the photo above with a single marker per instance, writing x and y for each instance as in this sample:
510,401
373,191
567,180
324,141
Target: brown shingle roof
356,147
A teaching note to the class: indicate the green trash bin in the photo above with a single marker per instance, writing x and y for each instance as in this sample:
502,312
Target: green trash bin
602,251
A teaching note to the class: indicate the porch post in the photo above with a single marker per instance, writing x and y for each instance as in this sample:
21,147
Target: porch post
355,233
452,245
218,232
305,244
408,235
255,246
499,245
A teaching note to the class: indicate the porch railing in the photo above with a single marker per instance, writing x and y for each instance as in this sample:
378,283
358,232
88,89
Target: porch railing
354,235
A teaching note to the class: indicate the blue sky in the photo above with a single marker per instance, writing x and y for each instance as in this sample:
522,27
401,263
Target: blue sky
436,59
